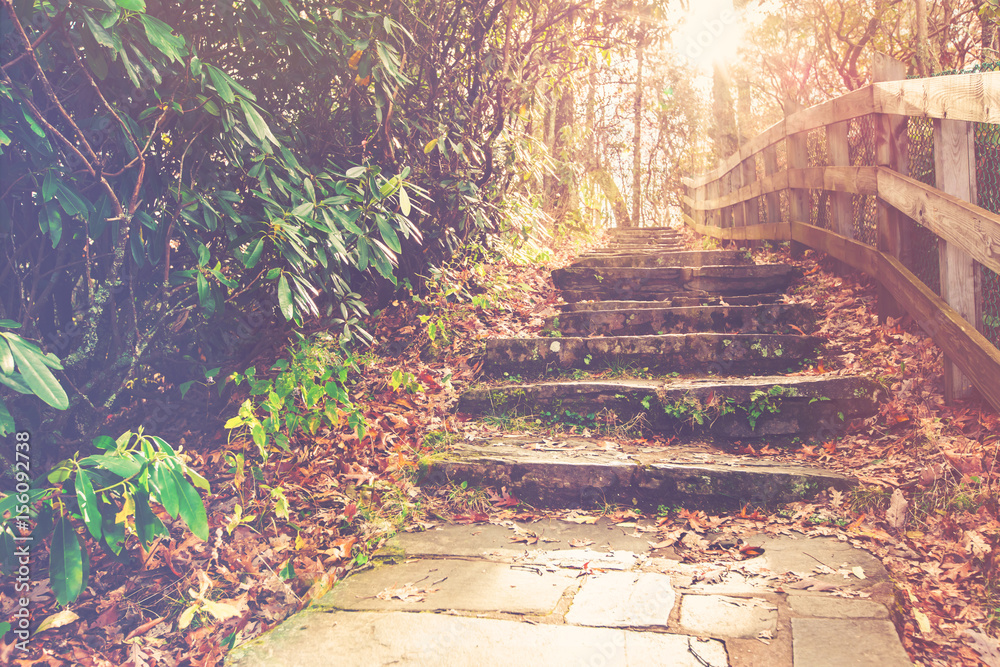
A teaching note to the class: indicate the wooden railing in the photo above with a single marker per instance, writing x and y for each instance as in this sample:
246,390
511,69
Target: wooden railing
728,204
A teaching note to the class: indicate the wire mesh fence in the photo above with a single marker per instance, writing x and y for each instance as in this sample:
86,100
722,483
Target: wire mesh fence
861,151
923,258
987,144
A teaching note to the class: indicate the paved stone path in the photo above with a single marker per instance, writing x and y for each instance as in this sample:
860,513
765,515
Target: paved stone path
468,595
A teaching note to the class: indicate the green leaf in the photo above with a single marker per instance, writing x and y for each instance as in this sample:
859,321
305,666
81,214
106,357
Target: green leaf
404,201
166,488
256,122
66,565
32,123
36,374
204,292
191,506
388,234
254,255
6,421
133,5
6,359
161,36
70,201
49,185
16,382
355,172
100,35
124,466
87,501
285,298
147,525
104,442
219,80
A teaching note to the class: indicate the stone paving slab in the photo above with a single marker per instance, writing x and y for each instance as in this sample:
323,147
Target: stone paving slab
830,642
427,585
827,607
722,616
315,639
623,599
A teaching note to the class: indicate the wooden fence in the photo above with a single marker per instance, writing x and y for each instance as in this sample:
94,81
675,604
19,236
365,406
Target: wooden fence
825,207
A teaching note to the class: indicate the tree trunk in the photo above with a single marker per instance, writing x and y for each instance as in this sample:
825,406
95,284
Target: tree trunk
725,117
924,64
637,135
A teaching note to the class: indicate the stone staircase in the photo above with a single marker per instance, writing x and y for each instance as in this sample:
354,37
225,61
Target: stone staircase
653,338
701,347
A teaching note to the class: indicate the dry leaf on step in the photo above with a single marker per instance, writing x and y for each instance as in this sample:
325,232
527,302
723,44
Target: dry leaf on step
896,514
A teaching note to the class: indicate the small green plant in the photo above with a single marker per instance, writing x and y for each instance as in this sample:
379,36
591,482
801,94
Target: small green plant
308,391
110,496
405,381
764,402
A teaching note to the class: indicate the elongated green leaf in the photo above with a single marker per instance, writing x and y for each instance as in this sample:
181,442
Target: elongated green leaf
87,501
15,382
256,122
6,358
100,35
70,202
204,293
221,84
92,52
147,525
66,563
191,506
166,488
388,234
6,421
254,255
49,185
134,5
32,123
124,466
161,36
285,298
36,374
404,201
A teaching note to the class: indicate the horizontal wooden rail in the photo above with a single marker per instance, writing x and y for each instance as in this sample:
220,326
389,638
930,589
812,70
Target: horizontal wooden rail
971,97
974,229
978,358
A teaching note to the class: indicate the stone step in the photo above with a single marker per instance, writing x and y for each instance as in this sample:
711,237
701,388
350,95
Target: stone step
645,284
682,301
778,408
717,353
647,243
768,318
653,259
593,471
643,231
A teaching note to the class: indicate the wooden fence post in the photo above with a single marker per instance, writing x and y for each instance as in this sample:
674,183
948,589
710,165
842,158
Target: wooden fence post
751,213
955,173
736,176
772,199
891,151
797,157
